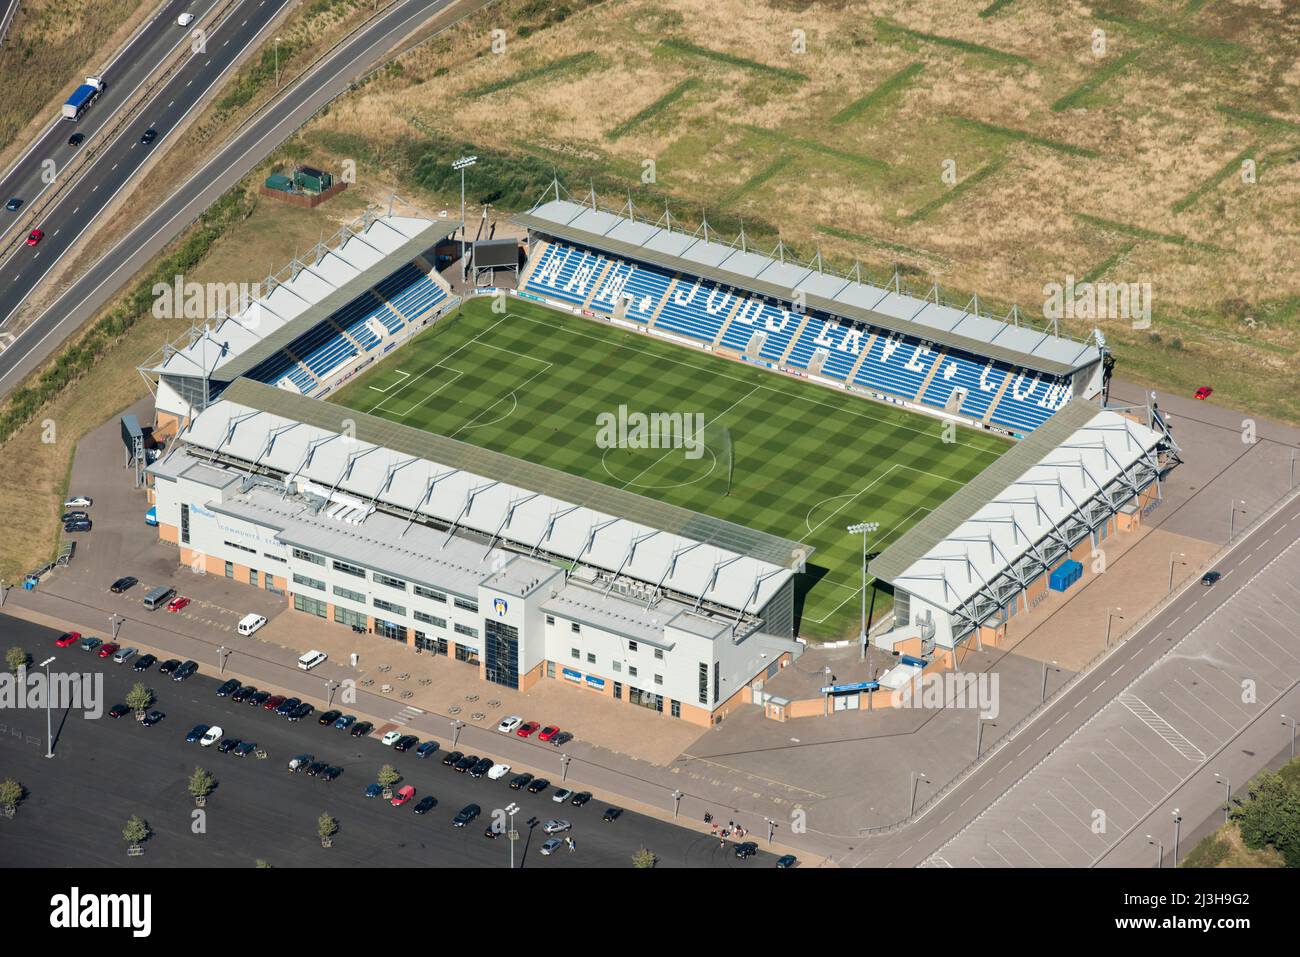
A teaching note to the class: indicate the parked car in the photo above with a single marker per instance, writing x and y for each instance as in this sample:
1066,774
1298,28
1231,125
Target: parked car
466,814
287,705
343,722
551,846
561,795
152,718
108,649
561,739
67,638
390,739
405,742
196,732
329,717
242,693
1204,392
491,831
330,773
303,710
72,517
451,757
746,850
316,767
123,655
527,728
426,749
227,745
556,827
245,748
510,723
520,780
548,733
361,729
77,525
90,644
118,710
177,603
404,794
538,786
787,860
425,805
274,703
79,501
1209,578
187,670
581,798
169,666
611,814
228,688
498,771
145,662
465,763
258,699
300,762
212,735
374,790
480,768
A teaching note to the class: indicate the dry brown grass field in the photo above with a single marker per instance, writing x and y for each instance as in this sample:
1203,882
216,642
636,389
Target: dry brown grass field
1163,149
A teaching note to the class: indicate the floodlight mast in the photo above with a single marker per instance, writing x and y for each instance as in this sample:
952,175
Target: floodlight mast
864,529
462,164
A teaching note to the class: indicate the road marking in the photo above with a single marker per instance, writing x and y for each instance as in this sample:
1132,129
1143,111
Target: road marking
169,105
187,84
74,212
1098,688
1171,735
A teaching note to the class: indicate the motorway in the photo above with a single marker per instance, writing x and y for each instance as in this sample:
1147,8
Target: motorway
106,769
256,139
130,67
1020,754
119,160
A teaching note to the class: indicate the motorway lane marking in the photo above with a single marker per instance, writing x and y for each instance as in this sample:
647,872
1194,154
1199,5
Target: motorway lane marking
187,84
114,167
1098,688
1120,668
170,105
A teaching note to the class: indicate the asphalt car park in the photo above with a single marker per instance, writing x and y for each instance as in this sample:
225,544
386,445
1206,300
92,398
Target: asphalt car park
105,770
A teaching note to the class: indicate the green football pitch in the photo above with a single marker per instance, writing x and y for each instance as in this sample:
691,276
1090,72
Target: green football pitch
805,461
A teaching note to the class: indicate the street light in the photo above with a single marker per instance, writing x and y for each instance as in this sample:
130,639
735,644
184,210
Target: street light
222,653
329,692
677,802
1043,696
1115,614
1292,720
1171,567
512,809
1160,851
49,718
1232,518
462,164
916,782
864,529
1227,795
564,767
1178,820
771,828
277,63
456,725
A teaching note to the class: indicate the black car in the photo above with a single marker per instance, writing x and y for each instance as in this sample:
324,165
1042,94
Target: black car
76,139
227,745
185,671
562,738
329,717
425,805
520,780
611,814
74,517
168,666
538,786
148,136
451,757
77,525
316,767
491,831
118,710
152,718
242,693
245,748
746,850
788,860
361,729
467,814
145,662
198,731
288,707
13,204
229,687
258,698
1209,578
481,768
303,710
405,742
122,584
465,763
581,798
330,773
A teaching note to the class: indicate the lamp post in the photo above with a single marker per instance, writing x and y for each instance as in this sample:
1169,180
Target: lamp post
1171,567
1116,613
771,828
511,810
1232,518
864,529
1160,851
277,63
222,654
916,782
1227,795
1043,696
677,802
456,725
1178,821
49,717
979,736
462,164
329,693
564,767
1292,720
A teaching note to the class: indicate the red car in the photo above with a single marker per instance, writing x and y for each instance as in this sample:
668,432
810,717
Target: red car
176,604
35,236
548,732
403,795
109,648
527,728
68,638
274,702
1204,392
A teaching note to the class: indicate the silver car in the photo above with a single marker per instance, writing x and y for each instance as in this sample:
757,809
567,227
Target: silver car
124,655
556,827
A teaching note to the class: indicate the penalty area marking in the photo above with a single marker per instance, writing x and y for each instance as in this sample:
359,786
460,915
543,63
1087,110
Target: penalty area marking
394,385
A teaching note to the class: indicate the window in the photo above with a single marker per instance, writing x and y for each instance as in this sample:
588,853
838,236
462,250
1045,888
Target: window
310,605
430,594
631,671
274,558
704,683
591,658
299,554
659,654
349,594
618,665
466,604
550,669
573,653
618,691
466,630
345,617
431,619
348,569
230,569
677,709
389,606
185,524
501,653
389,581
659,679
717,680
575,628
550,619
631,646
309,582
242,548
252,577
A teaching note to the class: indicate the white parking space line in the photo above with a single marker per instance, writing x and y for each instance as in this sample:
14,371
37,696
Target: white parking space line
1160,726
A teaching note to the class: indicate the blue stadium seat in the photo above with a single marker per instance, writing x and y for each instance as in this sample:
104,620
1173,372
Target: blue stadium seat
981,378
645,288
697,309
897,365
566,273
1029,401
842,340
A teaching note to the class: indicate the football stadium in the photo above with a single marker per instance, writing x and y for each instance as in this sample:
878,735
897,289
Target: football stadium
635,470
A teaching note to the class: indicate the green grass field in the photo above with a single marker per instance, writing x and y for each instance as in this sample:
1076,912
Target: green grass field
808,461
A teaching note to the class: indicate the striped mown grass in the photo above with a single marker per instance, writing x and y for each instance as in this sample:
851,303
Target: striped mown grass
889,86
729,59
969,183
808,460
568,65
888,29
1023,136
654,109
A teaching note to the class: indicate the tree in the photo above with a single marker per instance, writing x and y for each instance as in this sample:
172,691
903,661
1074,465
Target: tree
201,784
136,830
1271,817
326,827
261,864
388,776
139,698
11,792
15,658
644,858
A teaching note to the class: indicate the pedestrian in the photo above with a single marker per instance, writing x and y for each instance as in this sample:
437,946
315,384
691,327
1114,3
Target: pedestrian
707,817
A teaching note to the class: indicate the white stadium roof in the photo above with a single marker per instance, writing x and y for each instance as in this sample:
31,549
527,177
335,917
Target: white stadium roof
570,528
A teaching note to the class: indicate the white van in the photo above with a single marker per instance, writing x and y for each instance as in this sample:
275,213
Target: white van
311,659
250,623
185,19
